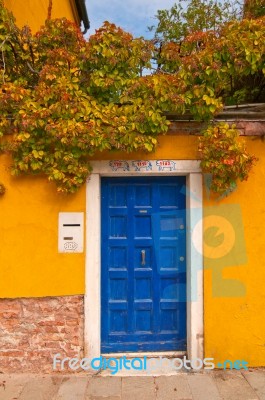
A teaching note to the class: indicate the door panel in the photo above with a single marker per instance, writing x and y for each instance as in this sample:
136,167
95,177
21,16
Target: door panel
143,280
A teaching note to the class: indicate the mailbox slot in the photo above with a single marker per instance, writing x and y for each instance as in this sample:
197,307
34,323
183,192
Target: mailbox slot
71,232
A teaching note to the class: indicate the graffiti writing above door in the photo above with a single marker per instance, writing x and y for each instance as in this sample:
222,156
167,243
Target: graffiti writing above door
142,165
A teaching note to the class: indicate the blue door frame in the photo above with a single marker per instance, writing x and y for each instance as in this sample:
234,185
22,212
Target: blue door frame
143,252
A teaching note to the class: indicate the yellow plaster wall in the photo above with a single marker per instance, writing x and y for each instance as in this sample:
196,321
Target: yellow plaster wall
235,326
31,266
34,12
169,146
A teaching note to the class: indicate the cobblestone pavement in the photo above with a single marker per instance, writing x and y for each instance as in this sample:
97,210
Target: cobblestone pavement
210,385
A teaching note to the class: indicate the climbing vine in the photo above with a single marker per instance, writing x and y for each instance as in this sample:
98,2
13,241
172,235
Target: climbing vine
63,98
217,51
224,157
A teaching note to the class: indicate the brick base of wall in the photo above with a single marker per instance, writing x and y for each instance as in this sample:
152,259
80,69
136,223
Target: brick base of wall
33,330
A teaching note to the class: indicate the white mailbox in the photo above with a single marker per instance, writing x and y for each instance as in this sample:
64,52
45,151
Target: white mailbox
71,232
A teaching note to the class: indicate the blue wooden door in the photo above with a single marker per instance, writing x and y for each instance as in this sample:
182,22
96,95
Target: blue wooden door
143,277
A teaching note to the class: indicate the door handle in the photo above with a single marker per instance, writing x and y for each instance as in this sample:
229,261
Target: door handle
143,256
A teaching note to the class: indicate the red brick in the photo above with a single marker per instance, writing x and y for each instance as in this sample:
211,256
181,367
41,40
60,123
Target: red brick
59,322
52,329
45,323
34,330
72,322
12,353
